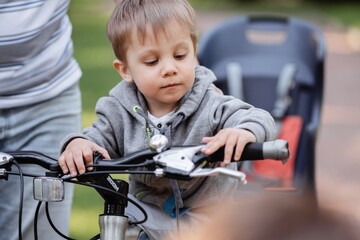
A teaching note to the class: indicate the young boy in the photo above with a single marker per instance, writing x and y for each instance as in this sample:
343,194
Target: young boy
164,91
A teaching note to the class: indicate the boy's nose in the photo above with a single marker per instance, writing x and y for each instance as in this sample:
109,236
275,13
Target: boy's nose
169,69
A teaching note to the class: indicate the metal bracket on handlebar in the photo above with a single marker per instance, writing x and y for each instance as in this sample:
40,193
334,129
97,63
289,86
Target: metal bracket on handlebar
178,160
4,165
4,158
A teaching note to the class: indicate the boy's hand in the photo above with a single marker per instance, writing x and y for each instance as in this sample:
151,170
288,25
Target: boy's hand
230,138
77,154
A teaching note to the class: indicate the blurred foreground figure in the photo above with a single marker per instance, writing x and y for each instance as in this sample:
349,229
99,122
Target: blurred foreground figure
274,217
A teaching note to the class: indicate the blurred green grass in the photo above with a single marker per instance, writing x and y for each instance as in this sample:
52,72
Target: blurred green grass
94,54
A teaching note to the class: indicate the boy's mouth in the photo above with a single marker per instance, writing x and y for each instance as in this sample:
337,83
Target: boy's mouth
171,85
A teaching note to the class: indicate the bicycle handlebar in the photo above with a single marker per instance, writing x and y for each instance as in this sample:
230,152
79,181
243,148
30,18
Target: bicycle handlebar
179,158
176,162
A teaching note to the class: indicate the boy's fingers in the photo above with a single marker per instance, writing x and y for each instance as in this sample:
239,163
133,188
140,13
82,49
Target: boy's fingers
78,163
206,139
238,149
213,143
88,155
71,165
102,151
62,164
229,149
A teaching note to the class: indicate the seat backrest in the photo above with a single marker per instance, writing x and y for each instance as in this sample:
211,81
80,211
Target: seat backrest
262,46
236,36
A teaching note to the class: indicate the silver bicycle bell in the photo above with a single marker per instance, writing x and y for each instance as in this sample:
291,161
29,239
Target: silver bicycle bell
159,143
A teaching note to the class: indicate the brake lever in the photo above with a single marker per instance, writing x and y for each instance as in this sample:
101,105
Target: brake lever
204,172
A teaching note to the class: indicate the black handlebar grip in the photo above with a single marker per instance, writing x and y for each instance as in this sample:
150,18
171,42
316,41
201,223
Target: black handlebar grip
276,150
33,157
252,151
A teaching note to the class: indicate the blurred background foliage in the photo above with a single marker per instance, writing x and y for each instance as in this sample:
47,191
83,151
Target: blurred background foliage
94,54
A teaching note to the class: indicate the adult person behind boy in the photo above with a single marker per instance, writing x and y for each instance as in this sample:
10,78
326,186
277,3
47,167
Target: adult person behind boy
39,104
273,216
164,91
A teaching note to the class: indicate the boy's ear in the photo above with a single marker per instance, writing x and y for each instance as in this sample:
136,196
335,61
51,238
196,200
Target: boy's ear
121,68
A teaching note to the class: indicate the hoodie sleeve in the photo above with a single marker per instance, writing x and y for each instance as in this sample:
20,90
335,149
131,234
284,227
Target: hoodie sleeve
102,131
229,112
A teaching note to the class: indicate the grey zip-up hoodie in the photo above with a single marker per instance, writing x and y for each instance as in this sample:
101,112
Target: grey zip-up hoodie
202,112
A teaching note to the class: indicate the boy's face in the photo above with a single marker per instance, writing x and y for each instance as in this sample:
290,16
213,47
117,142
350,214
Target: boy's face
163,67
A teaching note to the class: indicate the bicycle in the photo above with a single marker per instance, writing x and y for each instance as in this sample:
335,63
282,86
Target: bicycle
176,162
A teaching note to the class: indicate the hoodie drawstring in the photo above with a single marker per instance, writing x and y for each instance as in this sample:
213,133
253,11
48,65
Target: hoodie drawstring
168,133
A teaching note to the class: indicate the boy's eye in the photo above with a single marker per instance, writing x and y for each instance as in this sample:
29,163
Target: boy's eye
151,62
180,56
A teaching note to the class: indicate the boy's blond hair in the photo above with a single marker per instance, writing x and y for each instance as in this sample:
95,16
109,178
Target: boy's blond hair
130,15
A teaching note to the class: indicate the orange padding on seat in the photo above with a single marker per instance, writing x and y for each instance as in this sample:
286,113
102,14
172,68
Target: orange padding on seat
276,170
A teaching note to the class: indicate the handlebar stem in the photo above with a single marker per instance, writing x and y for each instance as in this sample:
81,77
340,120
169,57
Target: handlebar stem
112,227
